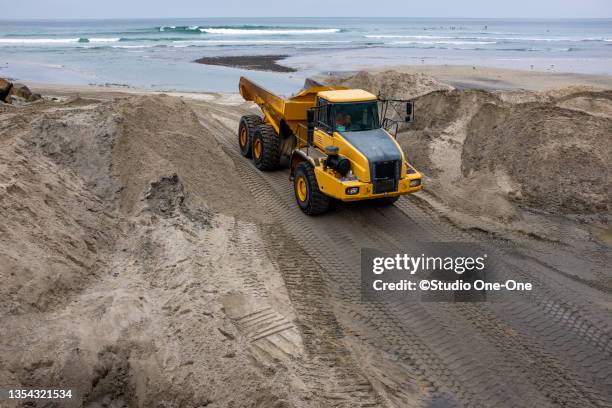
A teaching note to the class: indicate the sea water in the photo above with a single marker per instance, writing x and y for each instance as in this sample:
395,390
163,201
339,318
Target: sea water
159,54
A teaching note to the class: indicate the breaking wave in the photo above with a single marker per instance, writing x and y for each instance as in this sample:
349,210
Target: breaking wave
239,31
248,30
51,41
39,40
446,42
194,29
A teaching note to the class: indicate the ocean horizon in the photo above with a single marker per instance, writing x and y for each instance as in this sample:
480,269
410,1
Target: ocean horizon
159,53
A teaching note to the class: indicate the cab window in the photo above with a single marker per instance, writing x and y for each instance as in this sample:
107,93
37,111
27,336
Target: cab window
355,117
324,121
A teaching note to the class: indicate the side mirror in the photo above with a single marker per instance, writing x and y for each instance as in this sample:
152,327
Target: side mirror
409,112
310,119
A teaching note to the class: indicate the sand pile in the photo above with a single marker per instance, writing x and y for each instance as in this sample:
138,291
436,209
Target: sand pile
559,157
54,229
162,136
392,84
119,251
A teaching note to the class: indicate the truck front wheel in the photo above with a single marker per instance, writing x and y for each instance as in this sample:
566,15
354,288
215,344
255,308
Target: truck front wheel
246,132
266,148
307,193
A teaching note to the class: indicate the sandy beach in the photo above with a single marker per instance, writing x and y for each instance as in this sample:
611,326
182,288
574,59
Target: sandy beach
146,263
483,78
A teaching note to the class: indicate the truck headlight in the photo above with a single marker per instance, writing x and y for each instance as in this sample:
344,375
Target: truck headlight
352,190
415,182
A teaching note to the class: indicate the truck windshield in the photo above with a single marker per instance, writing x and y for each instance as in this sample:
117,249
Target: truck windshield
355,117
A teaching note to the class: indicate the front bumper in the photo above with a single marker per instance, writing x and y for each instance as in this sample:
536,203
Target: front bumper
336,188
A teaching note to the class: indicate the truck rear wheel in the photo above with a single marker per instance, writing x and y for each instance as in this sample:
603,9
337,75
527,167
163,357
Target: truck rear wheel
266,148
307,193
246,132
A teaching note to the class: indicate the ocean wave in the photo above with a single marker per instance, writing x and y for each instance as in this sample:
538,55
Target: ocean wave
381,36
519,49
446,42
134,46
247,29
154,39
490,38
288,31
565,39
99,40
51,41
194,29
261,42
38,40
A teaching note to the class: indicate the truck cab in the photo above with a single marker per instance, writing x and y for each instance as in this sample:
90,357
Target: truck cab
350,121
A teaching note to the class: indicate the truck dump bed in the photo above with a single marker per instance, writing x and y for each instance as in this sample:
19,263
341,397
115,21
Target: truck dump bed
276,109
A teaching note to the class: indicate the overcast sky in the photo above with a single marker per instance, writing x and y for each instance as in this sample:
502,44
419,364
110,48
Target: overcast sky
289,8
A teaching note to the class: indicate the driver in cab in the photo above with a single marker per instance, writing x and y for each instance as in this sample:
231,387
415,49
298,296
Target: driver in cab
343,122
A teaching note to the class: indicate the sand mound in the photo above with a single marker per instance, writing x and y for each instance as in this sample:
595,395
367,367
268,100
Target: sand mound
54,228
151,147
80,137
392,84
555,151
559,157
593,103
119,242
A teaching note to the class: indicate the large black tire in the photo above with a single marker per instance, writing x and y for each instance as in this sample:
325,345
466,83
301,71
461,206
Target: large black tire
246,132
266,148
385,201
307,192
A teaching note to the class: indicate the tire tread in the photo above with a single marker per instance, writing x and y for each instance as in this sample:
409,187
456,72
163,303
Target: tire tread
318,202
252,122
270,157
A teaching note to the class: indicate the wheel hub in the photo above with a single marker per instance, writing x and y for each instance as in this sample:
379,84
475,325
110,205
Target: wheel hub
257,147
302,189
243,136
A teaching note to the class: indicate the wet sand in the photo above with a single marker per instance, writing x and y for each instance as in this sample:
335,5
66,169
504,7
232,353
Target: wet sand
253,62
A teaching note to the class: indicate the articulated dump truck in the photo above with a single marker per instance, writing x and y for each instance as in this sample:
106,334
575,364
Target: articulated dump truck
334,143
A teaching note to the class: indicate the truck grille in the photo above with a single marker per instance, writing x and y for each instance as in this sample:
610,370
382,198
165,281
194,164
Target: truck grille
386,176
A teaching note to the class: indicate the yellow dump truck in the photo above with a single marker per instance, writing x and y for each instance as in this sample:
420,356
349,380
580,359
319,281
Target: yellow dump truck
333,141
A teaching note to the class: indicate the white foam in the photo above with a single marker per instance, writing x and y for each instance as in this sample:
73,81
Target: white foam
103,40
538,39
446,42
38,40
132,46
217,42
239,31
406,36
